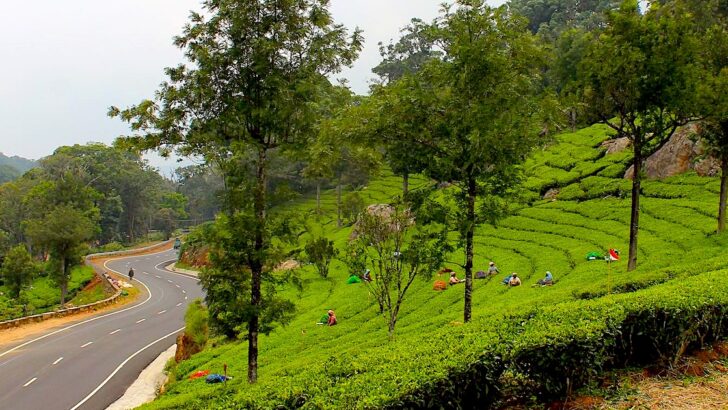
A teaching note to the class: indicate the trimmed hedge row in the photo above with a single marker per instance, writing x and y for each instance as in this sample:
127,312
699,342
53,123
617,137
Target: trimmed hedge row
544,352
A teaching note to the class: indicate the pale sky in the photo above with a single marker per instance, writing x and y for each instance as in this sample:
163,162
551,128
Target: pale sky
63,63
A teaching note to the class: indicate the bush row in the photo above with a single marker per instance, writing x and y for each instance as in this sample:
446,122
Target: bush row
544,352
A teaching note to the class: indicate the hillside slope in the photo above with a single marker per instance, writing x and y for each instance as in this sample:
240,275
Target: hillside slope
13,167
537,341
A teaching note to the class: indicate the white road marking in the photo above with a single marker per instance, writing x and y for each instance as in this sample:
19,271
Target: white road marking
185,297
169,281
30,381
159,313
87,344
157,276
184,291
115,331
177,285
196,279
179,304
57,361
149,297
120,366
146,273
141,320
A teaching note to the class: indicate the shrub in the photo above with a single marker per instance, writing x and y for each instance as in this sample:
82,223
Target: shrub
196,326
320,251
17,270
351,206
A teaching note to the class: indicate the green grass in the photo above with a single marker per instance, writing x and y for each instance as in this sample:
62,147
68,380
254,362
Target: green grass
354,365
93,294
43,295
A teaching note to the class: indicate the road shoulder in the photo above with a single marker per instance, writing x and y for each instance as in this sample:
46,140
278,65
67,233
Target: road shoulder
145,387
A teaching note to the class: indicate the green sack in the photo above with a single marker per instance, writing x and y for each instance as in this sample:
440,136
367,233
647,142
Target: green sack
353,279
593,256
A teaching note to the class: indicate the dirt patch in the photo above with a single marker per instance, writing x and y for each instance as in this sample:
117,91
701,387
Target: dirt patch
95,281
699,381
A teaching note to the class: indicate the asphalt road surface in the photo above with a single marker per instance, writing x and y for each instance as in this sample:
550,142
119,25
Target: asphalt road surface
89,364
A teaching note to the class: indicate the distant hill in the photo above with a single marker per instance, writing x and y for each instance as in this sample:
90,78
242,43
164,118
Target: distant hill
19,163
13,167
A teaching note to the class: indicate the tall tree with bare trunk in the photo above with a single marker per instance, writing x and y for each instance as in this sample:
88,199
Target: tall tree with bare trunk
256,69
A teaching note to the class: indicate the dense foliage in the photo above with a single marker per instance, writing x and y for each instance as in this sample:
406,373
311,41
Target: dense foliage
256,70
530,343
81,196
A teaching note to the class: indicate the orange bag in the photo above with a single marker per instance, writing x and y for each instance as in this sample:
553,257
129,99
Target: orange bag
439,285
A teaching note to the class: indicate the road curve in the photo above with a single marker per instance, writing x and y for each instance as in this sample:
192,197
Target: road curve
89,364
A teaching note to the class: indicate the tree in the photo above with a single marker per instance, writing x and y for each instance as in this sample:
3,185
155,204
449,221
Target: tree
399,252
17,270
63,214
476,113
232,242
551,17
172,208
320,251
341,152
63,231
256,68
405,57
713,30
14,209
640,80
129,189
408,55
202,185
351,206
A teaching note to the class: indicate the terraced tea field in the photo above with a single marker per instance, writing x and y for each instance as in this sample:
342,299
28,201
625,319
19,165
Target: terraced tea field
541,340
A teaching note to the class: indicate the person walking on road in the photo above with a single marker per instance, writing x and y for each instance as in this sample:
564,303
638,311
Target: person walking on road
131,274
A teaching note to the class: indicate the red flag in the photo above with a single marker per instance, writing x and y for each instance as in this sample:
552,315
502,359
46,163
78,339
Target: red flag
613,255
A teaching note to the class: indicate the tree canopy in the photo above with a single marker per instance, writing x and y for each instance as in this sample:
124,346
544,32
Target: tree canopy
255,69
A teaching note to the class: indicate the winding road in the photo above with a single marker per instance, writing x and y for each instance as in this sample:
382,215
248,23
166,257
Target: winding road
89,364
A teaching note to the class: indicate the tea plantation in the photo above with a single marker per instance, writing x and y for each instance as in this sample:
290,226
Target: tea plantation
533,343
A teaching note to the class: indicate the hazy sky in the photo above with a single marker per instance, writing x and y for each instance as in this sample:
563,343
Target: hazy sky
63,63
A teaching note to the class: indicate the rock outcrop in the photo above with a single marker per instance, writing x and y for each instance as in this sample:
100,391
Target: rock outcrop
382,212
551,194
616,145
186,347
197,256
682,153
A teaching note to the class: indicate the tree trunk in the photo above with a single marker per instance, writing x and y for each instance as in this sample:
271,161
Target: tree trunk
405,183
318,197
338,204
64,282
256,267
131,228
469,251
723,195
634,225
392,323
